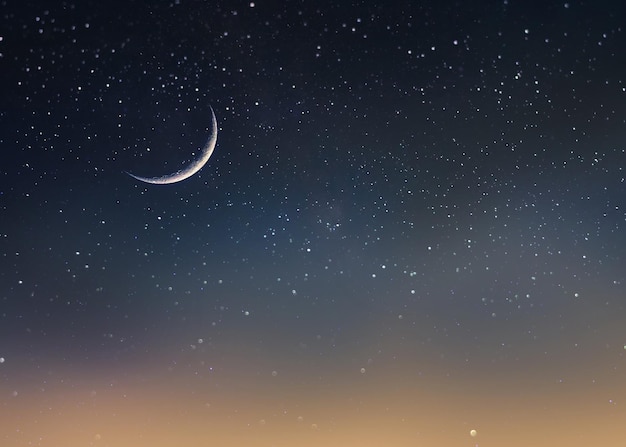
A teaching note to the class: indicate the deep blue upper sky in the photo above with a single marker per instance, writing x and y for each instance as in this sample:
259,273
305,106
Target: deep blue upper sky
407,175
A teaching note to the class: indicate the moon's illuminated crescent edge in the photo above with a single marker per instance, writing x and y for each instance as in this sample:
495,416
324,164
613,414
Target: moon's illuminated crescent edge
192,168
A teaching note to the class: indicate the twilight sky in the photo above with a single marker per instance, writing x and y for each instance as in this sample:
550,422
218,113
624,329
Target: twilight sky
412,226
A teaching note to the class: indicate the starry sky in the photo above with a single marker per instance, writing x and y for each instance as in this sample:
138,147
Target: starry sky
412,226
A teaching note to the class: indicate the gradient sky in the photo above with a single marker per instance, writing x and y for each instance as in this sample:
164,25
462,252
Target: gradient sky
412,226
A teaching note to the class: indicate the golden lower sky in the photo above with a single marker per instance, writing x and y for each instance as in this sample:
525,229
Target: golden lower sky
174,408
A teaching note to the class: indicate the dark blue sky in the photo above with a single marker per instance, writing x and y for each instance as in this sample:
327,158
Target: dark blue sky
432,192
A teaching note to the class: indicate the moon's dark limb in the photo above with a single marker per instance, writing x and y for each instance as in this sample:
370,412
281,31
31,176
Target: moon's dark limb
192,168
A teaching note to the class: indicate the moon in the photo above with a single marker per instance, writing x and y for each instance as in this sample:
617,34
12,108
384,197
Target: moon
192,168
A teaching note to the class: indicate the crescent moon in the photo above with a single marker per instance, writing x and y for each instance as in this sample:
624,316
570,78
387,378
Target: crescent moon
192,168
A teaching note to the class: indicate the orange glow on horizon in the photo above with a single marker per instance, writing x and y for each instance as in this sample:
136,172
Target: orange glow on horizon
168,411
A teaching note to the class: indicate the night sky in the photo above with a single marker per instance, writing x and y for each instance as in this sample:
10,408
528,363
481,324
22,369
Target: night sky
413,225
